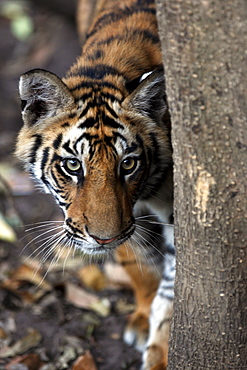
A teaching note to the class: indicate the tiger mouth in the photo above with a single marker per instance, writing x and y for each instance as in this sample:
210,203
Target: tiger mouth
90,248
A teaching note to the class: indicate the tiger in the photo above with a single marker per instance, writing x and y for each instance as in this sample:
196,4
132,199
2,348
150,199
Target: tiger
99,140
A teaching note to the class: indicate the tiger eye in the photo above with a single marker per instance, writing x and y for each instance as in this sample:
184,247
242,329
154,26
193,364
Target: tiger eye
72,165
128,164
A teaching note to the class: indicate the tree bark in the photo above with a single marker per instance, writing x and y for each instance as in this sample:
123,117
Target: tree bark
204,54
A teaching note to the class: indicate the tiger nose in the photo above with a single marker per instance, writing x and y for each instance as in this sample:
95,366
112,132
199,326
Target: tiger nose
103,241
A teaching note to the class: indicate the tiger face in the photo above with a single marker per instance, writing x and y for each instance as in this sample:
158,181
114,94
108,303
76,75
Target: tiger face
99,155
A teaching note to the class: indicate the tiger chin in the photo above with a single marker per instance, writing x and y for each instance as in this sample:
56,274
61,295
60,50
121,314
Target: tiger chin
99,141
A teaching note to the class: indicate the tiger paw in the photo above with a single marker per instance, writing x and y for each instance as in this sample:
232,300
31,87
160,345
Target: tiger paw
136,331
155,358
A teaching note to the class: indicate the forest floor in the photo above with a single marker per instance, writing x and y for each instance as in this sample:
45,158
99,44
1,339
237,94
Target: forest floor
62,315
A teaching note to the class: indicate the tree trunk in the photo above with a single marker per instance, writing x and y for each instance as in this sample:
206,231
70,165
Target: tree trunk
204,53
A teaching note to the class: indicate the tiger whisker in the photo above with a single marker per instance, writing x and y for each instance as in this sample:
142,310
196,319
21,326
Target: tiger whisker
54,260
140,244
145,216
34,230
69,246
44,225
150,244
156,222
51,247
137,257
150,232
145,252
147,231
44,245
39,236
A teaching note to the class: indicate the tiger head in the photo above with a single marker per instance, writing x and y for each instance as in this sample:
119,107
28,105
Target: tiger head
96,150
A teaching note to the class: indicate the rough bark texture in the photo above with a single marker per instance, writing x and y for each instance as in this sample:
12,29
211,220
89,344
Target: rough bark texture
204,52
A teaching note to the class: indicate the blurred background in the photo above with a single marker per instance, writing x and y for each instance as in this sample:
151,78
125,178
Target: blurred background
43,325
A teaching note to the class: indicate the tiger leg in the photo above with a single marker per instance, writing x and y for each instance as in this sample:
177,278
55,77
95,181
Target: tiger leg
145,280
155,355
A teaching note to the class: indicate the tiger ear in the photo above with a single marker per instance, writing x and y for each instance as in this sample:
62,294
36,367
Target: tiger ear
149,98
43,95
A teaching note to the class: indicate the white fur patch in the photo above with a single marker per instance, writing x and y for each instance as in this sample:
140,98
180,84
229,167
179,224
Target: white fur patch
145,75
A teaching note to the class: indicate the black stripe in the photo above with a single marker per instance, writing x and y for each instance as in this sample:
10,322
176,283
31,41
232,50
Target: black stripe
170,247
110,96
141,34
77,141
37,143
109,122
155,148
89,105
149,155
142,3
167,277
57,142
97,72
56,158
83,85
93,104
116,16
166,296
131,148
95,55
139,140
62,204
88,123
46,182
45,156
100,86
61,172
74,229
67,205
59,188
67,147
110,110
108,142
117,134
65,124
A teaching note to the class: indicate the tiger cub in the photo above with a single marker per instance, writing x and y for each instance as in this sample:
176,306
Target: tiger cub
99,141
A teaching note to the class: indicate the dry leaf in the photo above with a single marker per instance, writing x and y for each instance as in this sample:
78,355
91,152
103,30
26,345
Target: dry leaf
19,277
80,298
85,362
92,277
69,264
31,360
26,273
32,339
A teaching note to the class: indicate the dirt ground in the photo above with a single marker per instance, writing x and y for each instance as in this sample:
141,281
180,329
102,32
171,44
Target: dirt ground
42,323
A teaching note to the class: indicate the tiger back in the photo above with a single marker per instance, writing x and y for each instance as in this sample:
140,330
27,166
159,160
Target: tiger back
99,139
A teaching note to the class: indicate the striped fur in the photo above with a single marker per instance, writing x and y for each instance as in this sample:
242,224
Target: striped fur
99,141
